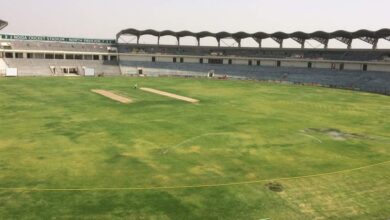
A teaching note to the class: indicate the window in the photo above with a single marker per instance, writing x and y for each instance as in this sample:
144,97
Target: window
78,57
174,59
341,66
153,59
365,67
258,63
181,60
88,57
250,62
30,55
73,70
105,57
201,60
49,56
39,56
96,57
9,55
216,61
278,63
69,56
309,65
113,58
230,61
59,56
19,55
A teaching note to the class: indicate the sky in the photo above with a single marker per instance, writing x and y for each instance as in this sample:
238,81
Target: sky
105,18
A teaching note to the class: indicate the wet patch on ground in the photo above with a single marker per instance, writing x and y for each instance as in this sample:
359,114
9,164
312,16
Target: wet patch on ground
275,186
335,134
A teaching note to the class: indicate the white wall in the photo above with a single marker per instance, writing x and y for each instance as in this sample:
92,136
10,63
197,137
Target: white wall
3,66
136,58
353,66
301,64
379,67
190,60
240,62
165,59
268,63
322,65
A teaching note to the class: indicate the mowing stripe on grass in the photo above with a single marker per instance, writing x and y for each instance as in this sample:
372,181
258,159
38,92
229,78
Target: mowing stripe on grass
22,189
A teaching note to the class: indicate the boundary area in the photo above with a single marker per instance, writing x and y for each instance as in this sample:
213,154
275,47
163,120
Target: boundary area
21,189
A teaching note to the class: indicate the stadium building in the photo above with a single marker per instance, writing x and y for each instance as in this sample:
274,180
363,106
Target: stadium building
349,68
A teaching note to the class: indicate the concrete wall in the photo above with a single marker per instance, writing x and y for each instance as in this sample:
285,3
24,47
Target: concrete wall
191,60
372,66
294,64
322,65
379,67
268,62
239,62
353,66
136,58
164,59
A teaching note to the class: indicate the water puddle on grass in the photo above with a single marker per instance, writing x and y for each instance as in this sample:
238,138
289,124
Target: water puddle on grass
335,134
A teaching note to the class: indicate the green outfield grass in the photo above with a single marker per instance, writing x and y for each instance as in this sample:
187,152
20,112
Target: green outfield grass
55,134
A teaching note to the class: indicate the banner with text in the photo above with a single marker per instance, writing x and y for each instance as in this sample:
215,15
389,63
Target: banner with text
56,39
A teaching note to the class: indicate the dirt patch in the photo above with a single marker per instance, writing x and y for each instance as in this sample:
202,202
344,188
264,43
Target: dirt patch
113,96
275,186
335,134
170,95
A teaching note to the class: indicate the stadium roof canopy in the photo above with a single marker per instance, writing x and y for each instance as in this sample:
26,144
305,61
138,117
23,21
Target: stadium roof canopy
371,37
3,24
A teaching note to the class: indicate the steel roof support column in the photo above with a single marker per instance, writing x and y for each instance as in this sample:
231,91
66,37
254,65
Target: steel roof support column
259,41
219,42
178,41
138,37
238,40
347,41
375,43
198,40
279,41
370,40
323,41
301,41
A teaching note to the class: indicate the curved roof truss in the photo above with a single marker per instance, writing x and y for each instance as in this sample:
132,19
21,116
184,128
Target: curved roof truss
3,24
345,37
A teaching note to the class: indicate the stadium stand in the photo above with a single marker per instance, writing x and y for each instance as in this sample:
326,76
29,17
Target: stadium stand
42,67
358,69
329,54
58,46
378,82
